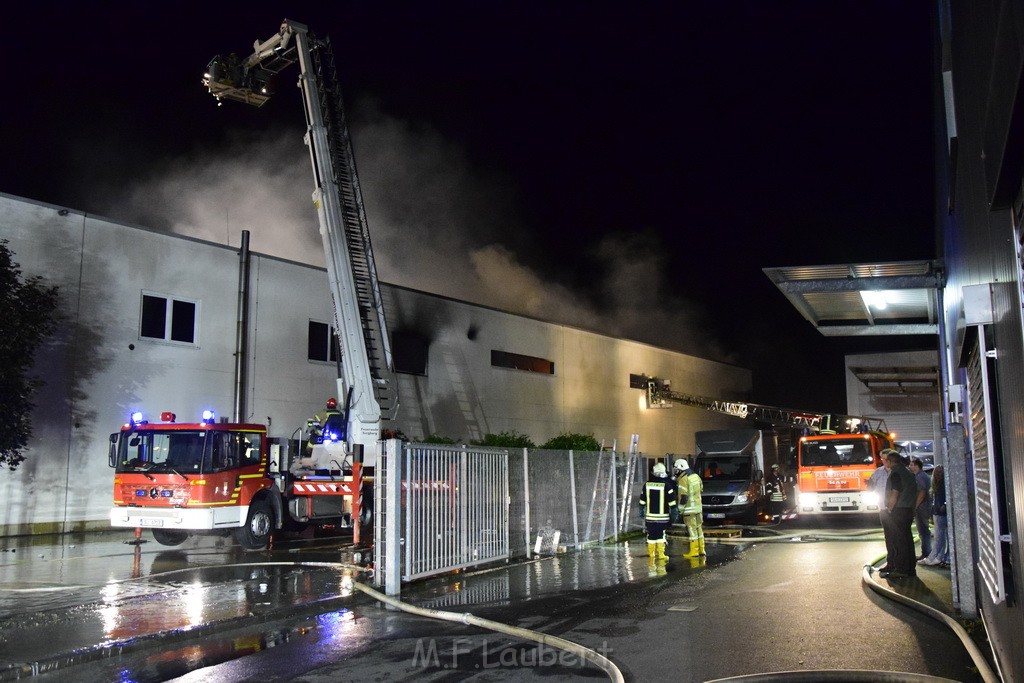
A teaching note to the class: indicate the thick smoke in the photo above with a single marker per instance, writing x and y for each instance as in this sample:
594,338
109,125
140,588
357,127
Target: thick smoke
437,225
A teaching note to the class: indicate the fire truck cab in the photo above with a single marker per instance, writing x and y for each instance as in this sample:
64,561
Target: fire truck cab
182,478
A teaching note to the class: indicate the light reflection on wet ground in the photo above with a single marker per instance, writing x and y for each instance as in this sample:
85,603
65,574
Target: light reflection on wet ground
594,568
602,592
81,592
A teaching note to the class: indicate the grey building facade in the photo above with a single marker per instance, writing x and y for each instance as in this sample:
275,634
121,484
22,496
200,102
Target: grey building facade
149,321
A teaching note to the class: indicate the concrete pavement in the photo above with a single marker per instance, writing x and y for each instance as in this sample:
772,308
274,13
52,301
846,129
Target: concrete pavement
795,603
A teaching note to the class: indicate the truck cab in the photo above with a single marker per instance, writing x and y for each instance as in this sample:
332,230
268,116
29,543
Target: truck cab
178,479
731,463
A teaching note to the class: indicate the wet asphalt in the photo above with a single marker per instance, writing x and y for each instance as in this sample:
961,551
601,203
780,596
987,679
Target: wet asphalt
94,608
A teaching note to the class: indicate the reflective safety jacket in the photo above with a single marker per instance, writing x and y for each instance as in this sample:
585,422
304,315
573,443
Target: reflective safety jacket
659,499
691,488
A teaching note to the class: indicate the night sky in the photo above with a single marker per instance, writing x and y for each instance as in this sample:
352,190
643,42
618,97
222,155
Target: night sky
629,171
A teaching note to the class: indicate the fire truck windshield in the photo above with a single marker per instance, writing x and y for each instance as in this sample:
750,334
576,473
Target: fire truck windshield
718,466
154,452
851,452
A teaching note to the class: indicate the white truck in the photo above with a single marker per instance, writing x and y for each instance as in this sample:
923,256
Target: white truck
732,464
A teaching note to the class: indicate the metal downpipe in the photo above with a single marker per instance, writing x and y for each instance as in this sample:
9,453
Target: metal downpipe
242,333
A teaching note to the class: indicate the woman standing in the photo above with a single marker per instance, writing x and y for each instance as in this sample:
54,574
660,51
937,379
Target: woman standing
940,545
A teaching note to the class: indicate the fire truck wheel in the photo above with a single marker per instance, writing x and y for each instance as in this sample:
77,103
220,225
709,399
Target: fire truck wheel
169,536
366,507
256,532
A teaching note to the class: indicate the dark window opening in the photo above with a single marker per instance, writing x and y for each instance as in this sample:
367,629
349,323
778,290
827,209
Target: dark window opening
154,315
183,321
410,352
517,361
174,322
321,342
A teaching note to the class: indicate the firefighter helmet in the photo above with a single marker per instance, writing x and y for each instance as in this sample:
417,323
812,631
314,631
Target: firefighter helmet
332,403
681,464
659,469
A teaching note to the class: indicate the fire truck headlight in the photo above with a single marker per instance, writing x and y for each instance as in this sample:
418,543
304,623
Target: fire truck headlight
807,500
742,499
871,499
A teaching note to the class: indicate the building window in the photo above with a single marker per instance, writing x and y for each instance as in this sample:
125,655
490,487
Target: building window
321,341
169,319
410,352
517,361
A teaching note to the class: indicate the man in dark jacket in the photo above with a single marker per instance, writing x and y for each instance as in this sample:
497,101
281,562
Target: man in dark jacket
902,498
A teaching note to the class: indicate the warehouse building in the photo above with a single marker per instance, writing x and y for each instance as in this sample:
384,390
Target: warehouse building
149,321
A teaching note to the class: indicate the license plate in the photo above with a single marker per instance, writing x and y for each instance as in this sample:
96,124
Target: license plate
151,522
839,499
716,515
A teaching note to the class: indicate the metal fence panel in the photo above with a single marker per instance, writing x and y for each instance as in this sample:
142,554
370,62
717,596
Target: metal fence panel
464,506
563,499
455,508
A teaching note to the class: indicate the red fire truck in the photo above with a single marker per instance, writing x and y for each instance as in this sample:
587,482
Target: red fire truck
834,465
208,476
178,479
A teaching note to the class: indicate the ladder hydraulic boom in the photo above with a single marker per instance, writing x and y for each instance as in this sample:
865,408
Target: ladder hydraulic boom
661,395
366,365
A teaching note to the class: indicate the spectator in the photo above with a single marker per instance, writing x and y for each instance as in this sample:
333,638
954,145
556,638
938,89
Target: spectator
923,512
878,480
902,497
940,545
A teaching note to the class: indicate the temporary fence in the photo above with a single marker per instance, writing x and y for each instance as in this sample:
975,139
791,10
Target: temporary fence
440,508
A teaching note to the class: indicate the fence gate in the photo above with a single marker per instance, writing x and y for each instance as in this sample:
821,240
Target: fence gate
438,508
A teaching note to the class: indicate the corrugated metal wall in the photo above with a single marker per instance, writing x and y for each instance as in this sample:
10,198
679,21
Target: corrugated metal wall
983,47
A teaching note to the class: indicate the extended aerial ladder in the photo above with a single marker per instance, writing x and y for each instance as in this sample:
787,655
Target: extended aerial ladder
661,395
367,382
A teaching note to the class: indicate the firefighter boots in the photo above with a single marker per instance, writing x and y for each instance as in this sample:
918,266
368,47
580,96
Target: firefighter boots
662,554
700,546
694,549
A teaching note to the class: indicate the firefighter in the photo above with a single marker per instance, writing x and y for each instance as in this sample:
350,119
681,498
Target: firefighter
656,506
319,422
776,492
690,490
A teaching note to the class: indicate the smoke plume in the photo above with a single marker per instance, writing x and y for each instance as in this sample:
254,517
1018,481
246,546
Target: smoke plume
437,224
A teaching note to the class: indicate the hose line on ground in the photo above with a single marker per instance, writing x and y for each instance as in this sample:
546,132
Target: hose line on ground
584,653
842,675
977,656
613,671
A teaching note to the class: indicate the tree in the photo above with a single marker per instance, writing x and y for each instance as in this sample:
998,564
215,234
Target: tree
568,441
27,309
